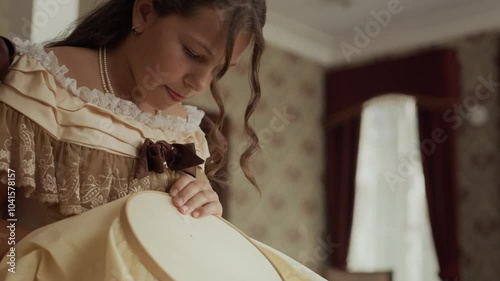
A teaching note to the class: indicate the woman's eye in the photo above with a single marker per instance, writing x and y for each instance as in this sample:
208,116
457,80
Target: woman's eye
191,54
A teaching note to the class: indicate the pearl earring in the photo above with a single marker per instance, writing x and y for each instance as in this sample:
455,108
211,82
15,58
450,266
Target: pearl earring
134,29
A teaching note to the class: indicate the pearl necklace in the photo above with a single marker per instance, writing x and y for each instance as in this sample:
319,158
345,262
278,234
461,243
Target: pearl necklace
103,70
106,82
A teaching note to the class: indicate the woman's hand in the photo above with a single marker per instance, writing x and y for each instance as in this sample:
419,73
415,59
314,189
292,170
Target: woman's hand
196,197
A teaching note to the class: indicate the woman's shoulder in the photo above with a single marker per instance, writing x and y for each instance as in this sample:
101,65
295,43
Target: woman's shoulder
68,64
72,55
80,63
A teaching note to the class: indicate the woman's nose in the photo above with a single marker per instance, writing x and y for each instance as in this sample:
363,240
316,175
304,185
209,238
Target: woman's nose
199,80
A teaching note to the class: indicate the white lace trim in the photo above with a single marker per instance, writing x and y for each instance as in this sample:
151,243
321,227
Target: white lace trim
115,104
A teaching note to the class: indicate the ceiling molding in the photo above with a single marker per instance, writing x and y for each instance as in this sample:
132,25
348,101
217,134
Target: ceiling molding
438,28
299,39
412,32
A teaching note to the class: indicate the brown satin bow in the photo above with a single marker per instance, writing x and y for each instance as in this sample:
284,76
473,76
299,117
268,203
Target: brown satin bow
162,155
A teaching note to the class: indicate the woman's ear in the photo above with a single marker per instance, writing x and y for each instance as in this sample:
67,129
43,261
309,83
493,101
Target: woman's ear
143,13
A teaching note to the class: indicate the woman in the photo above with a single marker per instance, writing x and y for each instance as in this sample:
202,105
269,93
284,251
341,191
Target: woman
82,119
97,116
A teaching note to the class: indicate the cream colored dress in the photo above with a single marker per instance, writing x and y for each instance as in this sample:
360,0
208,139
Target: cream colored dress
73,150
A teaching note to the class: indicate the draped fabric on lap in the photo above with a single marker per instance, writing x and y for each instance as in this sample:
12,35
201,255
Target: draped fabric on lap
433,78
127,239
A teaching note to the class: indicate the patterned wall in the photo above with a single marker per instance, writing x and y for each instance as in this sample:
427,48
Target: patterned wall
289,216
479,163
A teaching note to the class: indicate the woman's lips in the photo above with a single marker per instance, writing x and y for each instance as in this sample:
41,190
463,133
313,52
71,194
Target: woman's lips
174,95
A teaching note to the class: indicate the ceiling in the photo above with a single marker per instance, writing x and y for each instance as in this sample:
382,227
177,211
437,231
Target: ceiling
323,30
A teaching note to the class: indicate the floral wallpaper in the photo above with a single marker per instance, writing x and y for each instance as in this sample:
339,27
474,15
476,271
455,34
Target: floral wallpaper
479,160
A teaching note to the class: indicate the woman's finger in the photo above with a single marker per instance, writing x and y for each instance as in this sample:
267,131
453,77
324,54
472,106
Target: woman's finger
212,208
179,184
188,191
200,199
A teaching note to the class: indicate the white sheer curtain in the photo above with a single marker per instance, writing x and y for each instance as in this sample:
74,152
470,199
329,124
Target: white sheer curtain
391,229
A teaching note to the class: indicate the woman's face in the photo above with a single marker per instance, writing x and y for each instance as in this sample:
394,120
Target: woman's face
175,57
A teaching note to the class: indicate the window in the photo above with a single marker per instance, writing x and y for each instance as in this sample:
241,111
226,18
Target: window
391,228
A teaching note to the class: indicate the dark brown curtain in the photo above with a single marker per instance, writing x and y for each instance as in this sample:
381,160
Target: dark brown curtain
342,146
432,77
439,165
440,185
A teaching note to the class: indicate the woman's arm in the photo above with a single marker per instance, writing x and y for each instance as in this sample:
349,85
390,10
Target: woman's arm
7,52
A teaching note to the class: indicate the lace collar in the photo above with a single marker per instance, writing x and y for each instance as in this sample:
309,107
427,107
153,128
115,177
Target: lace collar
110,102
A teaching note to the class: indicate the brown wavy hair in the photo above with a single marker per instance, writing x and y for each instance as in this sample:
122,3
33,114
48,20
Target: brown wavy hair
110,23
